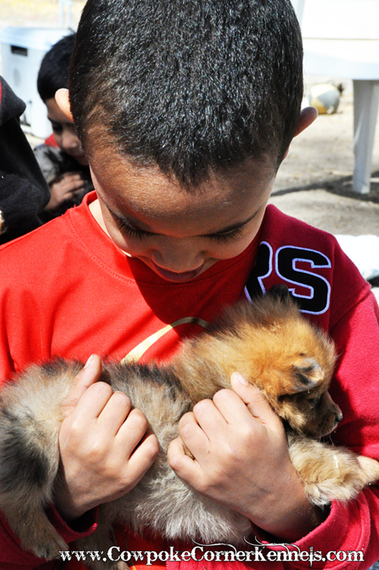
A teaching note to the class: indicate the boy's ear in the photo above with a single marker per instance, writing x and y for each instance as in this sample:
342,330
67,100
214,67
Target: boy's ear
307,116
63,102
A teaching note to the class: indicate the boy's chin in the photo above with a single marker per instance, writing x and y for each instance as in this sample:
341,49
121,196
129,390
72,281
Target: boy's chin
181,277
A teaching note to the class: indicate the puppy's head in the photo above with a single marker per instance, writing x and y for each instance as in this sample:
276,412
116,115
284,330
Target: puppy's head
294,366
309,409
299,394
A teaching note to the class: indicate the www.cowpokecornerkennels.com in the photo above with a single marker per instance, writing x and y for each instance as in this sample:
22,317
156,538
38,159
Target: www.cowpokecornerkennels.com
202,553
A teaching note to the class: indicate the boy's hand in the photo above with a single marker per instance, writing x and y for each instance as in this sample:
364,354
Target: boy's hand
104,447
241,460
65,188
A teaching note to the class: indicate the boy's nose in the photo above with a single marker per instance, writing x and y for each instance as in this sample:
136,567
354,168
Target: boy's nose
178,257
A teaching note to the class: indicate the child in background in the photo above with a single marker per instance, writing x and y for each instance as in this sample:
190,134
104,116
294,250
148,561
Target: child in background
61,159
185,110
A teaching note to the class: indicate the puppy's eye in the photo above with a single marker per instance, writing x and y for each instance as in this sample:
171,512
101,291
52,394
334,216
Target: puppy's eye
314,401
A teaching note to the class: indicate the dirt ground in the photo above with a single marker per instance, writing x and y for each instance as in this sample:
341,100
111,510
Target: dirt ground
314,182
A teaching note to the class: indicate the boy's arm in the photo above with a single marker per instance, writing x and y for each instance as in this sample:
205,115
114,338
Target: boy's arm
353,527
98,441
103,441
242,461
12,556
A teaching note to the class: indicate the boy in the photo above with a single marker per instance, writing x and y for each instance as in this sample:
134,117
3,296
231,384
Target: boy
185,111
61,159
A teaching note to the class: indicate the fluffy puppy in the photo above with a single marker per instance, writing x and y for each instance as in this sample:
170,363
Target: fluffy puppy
268,341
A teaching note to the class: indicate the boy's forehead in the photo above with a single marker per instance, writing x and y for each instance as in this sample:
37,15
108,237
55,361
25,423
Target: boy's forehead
119,181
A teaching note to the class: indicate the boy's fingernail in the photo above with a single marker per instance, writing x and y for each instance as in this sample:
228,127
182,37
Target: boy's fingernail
89,361
237,376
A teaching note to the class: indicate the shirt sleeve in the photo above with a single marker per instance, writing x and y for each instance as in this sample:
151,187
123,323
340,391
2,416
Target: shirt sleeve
348,538
13,557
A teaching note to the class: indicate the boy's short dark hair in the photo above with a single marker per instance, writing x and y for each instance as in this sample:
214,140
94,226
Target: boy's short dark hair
188,85
53,72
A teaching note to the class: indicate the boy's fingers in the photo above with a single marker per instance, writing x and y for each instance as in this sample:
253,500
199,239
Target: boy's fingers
83,380
143,456
179,460
256,402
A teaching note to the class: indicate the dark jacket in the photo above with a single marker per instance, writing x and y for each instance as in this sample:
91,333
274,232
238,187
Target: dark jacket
23,189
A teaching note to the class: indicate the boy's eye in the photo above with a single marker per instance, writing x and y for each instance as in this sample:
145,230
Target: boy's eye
140,234
227,236
56,128
131,232
137,233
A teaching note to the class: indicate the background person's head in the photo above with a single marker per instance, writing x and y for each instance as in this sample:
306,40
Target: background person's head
53,75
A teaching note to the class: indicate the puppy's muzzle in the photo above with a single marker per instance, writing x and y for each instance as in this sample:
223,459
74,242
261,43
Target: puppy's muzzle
338,415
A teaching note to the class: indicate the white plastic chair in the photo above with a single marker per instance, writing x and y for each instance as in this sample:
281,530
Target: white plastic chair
341,39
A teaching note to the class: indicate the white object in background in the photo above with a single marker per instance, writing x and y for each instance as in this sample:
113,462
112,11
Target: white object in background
299,8
22,50
363,251
65,10
325,97
341,39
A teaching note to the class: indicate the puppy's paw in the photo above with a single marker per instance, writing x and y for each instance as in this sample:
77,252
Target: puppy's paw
48,546
343,481
369,469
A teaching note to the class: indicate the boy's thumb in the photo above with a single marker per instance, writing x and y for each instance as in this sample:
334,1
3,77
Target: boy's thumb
256,402
88,375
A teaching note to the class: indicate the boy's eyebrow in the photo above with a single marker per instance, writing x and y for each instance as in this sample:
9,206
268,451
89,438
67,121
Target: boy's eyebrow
226,230
236,226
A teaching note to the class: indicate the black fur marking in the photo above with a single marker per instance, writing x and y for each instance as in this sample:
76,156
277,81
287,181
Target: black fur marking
147,373
20,461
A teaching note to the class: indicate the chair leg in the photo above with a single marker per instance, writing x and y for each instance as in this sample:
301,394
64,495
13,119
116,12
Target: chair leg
366,101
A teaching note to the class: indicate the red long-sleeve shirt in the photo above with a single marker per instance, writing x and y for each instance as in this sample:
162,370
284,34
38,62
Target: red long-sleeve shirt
67,290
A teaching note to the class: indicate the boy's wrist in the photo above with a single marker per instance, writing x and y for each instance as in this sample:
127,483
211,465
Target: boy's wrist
72,530
293,517
294,527
65,506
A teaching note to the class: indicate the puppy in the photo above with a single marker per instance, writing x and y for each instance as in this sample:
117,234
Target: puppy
273,347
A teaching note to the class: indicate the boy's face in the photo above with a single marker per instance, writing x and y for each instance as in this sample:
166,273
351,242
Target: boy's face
178,234
64,132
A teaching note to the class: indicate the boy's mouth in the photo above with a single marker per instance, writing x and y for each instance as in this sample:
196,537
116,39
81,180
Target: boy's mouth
176,277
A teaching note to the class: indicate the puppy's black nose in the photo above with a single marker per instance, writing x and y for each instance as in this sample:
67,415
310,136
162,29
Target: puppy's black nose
339,416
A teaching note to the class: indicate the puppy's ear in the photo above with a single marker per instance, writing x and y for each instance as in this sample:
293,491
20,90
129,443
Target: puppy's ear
307,374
